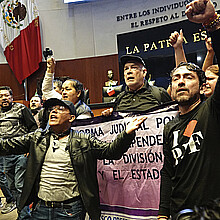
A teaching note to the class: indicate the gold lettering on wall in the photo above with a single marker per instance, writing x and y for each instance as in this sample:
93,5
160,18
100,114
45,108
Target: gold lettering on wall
153,46
199,36
146,46
185,41
127,50
135,50
164,43
203,35
161,43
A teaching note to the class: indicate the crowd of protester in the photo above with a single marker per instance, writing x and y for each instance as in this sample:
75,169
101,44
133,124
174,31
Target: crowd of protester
46,164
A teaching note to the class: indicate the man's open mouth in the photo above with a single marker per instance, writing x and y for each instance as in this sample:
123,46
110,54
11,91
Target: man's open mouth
130,78
53,117
5,103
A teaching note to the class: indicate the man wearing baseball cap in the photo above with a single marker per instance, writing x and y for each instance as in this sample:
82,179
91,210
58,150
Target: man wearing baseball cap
61,176
138,94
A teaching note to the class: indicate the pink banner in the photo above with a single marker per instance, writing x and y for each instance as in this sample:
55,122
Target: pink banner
129,187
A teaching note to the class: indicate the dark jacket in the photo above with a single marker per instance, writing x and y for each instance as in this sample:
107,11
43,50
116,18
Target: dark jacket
141,100
191,172
84,151
15,121
83,109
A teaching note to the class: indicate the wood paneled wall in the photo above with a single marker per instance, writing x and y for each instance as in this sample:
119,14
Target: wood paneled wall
7,78
92,72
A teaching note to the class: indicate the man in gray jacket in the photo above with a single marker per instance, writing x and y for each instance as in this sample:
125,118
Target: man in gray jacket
61,171
15,120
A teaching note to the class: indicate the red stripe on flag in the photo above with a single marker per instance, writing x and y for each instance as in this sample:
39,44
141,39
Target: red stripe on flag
24,53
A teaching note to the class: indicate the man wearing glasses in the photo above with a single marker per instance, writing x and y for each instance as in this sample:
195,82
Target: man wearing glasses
191,172
61,171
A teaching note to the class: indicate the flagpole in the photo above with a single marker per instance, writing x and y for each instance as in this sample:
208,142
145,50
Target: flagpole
25,89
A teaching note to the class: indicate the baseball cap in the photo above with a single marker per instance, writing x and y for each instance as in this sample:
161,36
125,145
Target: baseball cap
126,58
54,101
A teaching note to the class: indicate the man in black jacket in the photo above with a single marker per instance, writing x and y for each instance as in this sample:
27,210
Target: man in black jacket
191,171
61,171
36,105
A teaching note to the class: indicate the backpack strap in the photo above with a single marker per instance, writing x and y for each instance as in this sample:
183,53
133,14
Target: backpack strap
118,99
156,91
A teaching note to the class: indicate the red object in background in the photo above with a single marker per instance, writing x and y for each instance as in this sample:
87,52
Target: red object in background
111,91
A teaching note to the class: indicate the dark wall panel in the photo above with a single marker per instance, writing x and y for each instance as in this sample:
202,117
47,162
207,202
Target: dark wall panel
7,78
92,72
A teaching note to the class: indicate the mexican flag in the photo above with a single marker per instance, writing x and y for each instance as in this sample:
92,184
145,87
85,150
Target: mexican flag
20,36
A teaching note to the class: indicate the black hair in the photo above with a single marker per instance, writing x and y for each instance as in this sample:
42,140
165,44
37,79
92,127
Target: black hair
39,96
192,67
78,87
7,88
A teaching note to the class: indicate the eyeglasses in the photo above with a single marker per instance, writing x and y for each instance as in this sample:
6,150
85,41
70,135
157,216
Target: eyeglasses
58,108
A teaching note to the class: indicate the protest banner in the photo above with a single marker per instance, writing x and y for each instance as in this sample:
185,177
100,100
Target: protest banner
129,187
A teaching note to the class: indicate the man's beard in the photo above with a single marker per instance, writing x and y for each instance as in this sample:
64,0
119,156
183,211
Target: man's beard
6,108
186,100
